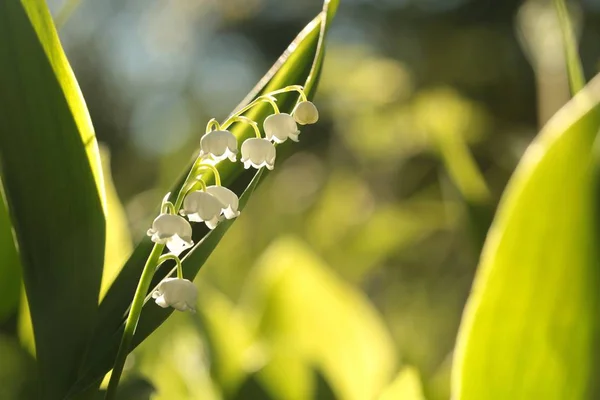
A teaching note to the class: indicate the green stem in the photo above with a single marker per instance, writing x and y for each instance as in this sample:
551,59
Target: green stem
292,88
240,118
211,123
265,98
132,320
173,257
574,68
214,170
193,186
167,208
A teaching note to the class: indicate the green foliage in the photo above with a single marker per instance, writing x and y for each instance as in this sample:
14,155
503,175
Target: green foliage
10,266
295,329
530,329
52,181
298,331
300,66
406,386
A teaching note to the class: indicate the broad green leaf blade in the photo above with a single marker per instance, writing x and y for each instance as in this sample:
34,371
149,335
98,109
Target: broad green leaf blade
295,66
10,265
530,329
52,181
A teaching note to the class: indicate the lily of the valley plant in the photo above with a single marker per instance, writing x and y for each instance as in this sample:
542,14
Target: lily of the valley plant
207,204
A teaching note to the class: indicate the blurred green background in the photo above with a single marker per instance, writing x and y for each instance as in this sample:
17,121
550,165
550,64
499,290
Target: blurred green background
347,274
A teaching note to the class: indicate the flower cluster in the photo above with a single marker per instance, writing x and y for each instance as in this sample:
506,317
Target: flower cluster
212,204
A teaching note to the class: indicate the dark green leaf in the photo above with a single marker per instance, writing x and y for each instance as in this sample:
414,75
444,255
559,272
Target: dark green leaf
50,170
10,267
323,391
131,389
252,389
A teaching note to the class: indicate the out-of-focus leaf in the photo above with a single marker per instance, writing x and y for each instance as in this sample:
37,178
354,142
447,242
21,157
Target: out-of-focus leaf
252,389
406,386
17,372
300,64
10,265
530,330
228,337
570,46
322,389
52,180
24,327
118,239
131,389
320,320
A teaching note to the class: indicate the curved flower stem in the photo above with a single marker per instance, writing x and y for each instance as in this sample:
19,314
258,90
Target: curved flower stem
167,208
273,102
264,98
133,319
240,118
292,88
191,187
214,170
173,257
211,123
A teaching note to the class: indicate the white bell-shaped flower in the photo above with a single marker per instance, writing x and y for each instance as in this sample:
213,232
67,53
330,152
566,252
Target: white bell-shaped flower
258,153
181,294
173,231
305,113
219,145
200,206
280,127
228,199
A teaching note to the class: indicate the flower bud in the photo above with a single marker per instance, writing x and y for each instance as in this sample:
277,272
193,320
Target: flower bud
305,113
258,153
173,231
181,294
219,145
202,206
228,199
280,127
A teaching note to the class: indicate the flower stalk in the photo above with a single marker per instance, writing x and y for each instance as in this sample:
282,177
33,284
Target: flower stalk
210,205
133,319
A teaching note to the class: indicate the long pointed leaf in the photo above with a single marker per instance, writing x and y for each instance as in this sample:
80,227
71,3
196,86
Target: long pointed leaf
51,174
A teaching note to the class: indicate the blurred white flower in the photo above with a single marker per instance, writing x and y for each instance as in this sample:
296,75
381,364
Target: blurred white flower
219,145
258,153
305,113
280,127
228,199
200,206
173,231
181,294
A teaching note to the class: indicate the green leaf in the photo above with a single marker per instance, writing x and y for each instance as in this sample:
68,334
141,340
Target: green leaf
131,389
309,315
52,180
574,67
530,328
299,64
323,391
406,386
17,371
252,389
10,265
